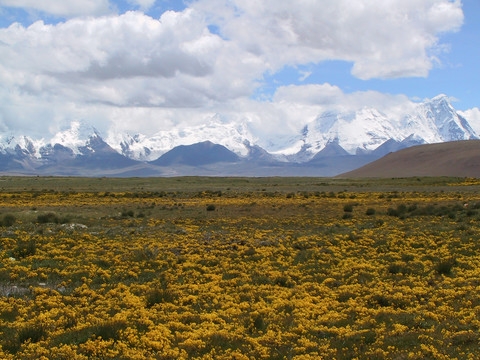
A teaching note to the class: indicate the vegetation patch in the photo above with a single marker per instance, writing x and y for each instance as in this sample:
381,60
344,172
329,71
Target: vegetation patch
278,269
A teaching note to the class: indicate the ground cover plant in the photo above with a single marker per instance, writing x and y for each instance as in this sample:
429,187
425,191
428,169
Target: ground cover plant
199,268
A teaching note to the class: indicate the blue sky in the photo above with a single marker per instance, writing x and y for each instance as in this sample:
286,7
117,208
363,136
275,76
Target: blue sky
170,60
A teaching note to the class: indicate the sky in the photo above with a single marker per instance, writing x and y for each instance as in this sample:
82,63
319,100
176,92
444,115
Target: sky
144,66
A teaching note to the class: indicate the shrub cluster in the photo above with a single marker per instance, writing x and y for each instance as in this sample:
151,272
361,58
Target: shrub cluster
451,211
52,218
24,249
8,220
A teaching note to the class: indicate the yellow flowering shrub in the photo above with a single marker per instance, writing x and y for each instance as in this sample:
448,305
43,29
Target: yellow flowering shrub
140,275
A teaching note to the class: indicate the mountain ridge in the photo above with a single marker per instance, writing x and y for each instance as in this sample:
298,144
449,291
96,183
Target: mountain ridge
333,142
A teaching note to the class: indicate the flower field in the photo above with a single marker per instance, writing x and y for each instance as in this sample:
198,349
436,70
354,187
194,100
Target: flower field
240,274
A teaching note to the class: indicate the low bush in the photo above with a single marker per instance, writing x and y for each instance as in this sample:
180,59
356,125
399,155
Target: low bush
110,330
444,267
8,220
32,333
128,213
159,296
370,211
48,218
24,249
400,211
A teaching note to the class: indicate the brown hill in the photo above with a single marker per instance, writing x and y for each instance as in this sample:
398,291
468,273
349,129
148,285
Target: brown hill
456,158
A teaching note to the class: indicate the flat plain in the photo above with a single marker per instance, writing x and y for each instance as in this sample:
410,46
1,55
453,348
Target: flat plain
239,268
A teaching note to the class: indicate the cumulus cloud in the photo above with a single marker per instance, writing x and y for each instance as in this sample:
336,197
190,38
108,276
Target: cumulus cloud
125,46
326,97
67,8
313,94
473,118
383,39
136,73
127,60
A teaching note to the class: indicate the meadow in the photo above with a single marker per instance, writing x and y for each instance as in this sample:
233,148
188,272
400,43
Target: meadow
239,268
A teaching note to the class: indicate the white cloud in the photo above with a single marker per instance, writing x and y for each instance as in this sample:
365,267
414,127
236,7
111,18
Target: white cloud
304,75
134,73
383,39
324,97
473,118
102,48
127,60
314,94
68,8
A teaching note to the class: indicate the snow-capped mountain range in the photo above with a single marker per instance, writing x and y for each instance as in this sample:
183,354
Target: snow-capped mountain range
147,148
433,121
361,131
357,133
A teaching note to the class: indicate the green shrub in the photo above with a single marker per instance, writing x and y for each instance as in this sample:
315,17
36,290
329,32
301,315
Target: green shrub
381,300
444,267
412,208
407,257
392,212
402,209
210,207
24,249
33,333
397,268
8,220
259,323
128,213
370,211
348,208
283,281
110,329
159,296
48,218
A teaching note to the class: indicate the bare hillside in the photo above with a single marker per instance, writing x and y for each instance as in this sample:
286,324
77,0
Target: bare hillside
456,158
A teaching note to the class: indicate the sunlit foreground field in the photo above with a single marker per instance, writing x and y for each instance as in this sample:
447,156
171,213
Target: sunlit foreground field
239,269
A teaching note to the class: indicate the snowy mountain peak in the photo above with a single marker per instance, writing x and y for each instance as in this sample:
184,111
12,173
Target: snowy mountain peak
21,145
441,98
76,136
365,129
234,136
439,104
440,122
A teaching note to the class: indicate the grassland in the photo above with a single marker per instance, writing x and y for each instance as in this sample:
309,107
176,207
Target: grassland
239,268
